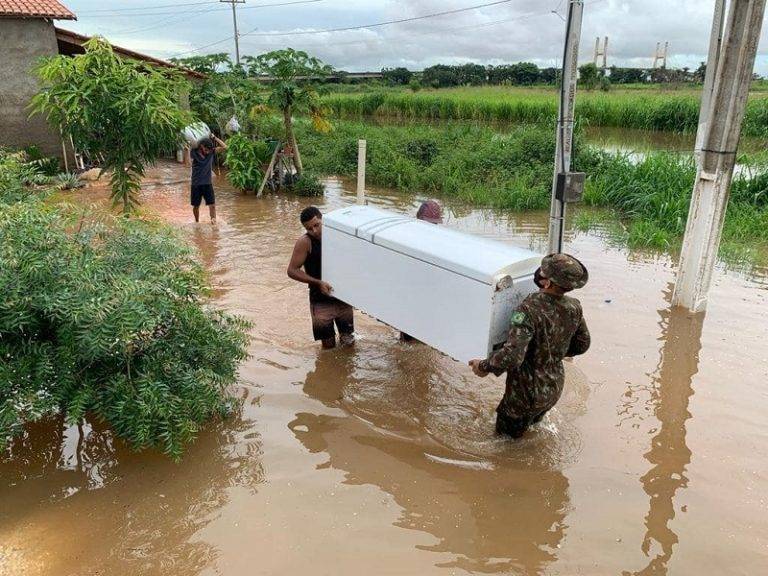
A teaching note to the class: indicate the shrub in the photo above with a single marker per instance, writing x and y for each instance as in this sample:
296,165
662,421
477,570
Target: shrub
109,316
247,159
308,185
126,111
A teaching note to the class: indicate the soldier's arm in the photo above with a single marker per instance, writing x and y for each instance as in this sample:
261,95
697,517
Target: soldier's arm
580,341
512,354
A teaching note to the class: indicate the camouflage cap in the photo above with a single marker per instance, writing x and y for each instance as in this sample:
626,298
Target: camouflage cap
565,271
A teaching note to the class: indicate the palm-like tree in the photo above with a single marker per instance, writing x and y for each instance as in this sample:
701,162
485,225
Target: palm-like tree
291,74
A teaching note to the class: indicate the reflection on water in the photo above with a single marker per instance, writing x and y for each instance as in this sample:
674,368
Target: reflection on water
488,518
669,453
58,467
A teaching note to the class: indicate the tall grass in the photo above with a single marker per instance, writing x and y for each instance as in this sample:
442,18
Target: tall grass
513,171
471,163
639,109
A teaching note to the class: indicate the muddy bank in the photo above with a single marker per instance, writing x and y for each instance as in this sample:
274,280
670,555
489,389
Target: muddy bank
382,458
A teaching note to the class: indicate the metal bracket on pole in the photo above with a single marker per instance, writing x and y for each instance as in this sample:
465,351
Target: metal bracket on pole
565,121
361,152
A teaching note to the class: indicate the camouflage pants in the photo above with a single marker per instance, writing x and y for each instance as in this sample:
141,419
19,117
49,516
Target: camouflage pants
516,427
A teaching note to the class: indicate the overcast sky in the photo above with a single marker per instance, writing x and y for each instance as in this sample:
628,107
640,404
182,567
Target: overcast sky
518,30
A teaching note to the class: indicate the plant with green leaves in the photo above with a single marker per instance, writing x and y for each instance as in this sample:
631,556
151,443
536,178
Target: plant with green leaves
291,74
226,91
246,159
125,111
109,318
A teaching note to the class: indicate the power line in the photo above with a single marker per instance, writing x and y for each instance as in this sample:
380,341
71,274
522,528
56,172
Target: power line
446,30
378,24
164,22
159,7
137,14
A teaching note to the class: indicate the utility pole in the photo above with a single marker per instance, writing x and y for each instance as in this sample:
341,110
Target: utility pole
565,124
234,4
721,127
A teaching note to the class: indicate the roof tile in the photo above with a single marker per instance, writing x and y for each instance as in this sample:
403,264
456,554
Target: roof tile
35,9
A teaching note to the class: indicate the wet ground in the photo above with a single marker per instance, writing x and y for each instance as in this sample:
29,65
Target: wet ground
381,459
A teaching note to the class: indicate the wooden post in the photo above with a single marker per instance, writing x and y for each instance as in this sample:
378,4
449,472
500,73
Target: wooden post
361,152
565,120
268,173
722,128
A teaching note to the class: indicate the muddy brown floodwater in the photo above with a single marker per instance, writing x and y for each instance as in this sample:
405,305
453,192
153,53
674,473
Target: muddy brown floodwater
381,459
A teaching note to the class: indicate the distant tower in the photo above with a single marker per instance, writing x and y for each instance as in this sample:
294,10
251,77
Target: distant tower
661,55
601,52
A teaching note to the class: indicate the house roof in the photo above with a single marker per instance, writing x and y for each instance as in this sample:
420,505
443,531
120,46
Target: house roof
50,9
71,43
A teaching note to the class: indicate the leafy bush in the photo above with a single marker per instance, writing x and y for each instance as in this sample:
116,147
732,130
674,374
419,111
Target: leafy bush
108,316
308,185
125,110
422,150
247,159
14,174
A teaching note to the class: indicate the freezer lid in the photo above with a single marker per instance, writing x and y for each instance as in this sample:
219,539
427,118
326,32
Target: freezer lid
478,258
352,218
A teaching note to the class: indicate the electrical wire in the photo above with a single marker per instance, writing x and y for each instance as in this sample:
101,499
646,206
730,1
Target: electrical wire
218,8
377,24
163,23
158,7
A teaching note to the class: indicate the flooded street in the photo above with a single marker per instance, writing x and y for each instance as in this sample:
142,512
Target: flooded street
381,459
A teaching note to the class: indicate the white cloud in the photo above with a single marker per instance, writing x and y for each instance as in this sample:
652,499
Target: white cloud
514,31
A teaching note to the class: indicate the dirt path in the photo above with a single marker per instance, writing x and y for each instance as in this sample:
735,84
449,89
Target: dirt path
381,459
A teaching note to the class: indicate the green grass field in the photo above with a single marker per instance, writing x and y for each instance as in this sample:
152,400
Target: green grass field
639,107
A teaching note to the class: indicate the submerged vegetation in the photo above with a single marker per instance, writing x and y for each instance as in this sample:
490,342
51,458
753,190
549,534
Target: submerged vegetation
107,318
640,109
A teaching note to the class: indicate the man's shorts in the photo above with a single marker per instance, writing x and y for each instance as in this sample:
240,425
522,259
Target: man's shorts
327,313
200,191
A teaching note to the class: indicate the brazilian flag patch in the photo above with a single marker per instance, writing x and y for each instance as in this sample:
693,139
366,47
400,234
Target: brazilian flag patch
517,318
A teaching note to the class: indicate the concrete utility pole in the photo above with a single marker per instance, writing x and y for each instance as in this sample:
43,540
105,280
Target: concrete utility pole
722,130
715,45
234,22
565,121
601,52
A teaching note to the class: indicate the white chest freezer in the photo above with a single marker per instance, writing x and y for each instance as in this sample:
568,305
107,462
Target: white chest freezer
453,291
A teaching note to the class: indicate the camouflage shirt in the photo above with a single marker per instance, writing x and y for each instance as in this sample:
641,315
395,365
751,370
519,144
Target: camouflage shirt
544,329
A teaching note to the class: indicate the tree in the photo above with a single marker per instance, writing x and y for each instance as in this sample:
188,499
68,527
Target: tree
208,64
700,73
291,73
125,111
107,318
397,76
226,91
589,76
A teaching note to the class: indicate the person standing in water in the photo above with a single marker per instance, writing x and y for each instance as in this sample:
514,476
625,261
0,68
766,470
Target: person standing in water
202,176
326,311
547,327
429,211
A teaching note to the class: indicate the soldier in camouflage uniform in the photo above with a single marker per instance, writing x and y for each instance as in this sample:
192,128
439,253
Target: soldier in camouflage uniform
547,327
